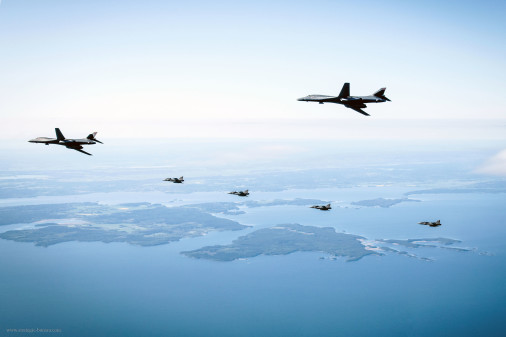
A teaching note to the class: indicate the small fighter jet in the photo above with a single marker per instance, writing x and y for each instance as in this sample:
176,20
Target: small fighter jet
432,224
353,102
73,144
244,193
175,180
322,208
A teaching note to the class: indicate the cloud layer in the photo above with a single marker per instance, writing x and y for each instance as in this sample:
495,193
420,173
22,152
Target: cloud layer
495,165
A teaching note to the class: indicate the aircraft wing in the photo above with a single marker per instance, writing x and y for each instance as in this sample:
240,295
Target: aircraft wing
357,108
89,154
44,140
360,111
77,147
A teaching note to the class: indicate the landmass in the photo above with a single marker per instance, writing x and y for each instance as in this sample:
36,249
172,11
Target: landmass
147,224
417,243
141,223
32,213
233,208
229,208
431,243
480,187
381,202
286,239
280,202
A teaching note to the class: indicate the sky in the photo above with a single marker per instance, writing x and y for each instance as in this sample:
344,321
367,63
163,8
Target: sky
219,69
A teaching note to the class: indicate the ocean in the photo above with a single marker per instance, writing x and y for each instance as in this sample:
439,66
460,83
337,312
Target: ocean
120,289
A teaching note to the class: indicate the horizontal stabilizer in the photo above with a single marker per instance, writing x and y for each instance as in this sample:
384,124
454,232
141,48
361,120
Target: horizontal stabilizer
91,136
381,94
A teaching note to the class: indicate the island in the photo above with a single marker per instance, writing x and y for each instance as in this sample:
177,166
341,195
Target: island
147,224
426,242
232,208
381,202
286,239
142,224
478,187
417,243
283,202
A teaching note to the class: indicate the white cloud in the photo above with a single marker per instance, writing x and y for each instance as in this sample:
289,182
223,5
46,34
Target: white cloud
495,165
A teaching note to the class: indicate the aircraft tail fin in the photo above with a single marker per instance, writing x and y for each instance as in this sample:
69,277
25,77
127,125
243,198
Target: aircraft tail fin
59,135
345,91
381,94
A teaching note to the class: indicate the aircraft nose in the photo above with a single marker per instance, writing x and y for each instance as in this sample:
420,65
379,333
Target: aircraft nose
301,99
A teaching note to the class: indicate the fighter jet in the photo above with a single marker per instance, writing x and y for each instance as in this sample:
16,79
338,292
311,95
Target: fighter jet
322,208
175,180
353,102
432,224
244,193
73,144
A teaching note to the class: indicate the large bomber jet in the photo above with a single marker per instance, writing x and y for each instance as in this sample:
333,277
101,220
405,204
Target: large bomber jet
353,102
73,144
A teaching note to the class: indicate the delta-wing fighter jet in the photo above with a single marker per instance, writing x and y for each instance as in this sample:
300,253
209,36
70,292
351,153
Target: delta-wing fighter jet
322,208
73,144
175,180
356,103
432,224
244,193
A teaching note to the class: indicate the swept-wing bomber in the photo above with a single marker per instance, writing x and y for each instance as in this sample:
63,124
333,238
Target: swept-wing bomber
356,103
69,143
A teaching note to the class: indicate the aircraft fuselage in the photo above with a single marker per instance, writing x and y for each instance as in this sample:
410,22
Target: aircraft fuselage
336,99
66,142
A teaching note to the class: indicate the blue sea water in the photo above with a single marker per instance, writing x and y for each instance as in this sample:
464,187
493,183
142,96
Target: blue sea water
118,289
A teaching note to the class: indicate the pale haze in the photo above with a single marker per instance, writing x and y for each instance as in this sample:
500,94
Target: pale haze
152,68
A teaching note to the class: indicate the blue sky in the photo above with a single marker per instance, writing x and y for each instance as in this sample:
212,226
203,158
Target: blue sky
193,68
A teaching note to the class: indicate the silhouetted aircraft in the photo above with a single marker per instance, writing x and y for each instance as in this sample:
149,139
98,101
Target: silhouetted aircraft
244,193
73,144
322,208
356,103
175,180
432,224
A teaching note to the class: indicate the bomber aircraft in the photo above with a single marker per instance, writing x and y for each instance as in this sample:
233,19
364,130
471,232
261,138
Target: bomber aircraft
69,143
356,103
